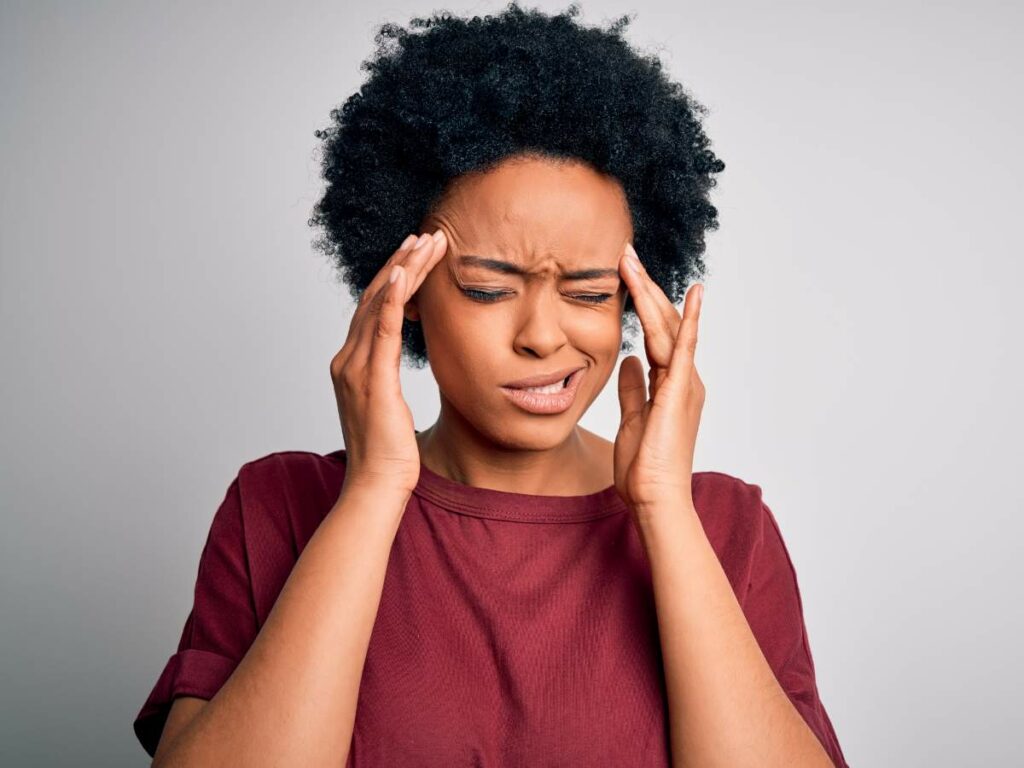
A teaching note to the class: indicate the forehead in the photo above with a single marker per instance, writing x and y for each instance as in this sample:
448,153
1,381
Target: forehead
534,212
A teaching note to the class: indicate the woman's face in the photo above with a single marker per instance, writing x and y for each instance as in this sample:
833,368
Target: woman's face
545,219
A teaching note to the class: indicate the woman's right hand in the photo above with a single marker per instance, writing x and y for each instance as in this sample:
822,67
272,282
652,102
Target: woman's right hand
380,437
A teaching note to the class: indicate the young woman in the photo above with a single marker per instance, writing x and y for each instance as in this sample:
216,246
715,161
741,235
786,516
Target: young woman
504,588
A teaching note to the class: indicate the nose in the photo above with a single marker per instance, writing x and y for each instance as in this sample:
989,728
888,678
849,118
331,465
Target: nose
539,329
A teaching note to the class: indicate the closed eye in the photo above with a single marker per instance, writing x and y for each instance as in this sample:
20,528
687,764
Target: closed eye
490,296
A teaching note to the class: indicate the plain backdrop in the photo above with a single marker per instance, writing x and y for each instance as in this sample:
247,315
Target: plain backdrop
164,319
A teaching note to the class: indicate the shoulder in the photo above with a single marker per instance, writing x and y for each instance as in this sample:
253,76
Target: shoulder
722,499
281,471
296,488
733,514
282,498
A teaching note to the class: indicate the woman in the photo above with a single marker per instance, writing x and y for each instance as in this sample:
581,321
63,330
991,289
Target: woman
504,587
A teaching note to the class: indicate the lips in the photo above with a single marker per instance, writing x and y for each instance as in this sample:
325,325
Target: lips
542,379
547,403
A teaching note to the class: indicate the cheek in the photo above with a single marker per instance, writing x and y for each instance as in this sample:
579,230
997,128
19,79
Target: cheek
464,360
455,328
460,342
600,333
435,314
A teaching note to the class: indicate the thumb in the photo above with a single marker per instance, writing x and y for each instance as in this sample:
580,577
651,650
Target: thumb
386,341
632,388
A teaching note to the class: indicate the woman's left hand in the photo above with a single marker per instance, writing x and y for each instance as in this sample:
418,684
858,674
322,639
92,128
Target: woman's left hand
655,443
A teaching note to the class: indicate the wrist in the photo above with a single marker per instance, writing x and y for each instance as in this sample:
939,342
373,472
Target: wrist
652,500
654,512
382,497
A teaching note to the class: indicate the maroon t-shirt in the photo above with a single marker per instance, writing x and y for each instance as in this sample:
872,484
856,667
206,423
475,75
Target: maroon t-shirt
513,629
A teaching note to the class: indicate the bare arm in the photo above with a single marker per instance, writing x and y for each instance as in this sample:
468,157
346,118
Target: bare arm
726,706
183,709
292,698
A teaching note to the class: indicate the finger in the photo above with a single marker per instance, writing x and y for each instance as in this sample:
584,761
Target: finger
632,389
668,309
399,256
659,328
418,266
365,317
685,349
386,343
358,350
371,290
380,280
407,243
632,398
417,263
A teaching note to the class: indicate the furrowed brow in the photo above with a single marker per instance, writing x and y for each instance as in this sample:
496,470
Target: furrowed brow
508,268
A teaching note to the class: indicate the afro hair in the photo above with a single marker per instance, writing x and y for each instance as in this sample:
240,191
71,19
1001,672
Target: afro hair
464,94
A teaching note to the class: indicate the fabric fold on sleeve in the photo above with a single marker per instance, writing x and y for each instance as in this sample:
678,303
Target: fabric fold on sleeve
218,630
190,672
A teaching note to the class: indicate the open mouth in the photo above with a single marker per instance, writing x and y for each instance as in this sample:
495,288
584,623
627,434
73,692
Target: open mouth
549,389
549,399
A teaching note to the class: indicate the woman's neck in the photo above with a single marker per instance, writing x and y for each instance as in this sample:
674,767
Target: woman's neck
454,449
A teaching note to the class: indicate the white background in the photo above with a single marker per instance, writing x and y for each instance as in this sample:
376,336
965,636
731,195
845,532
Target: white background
164,319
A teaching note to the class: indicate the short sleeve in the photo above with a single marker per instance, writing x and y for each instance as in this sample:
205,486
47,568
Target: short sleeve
774,610
219,629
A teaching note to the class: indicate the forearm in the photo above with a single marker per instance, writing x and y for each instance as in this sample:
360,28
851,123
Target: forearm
726,707
292,699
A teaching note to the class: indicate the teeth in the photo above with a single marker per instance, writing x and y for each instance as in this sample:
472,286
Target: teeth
550,389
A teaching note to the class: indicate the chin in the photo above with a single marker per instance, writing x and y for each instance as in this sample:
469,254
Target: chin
515,430
511,427
525,437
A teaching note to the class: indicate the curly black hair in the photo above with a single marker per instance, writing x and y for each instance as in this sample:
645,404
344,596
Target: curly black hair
466,93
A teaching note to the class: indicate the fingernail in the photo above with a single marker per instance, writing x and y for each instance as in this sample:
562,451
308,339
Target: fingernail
631,258
407,242
438,235
421,241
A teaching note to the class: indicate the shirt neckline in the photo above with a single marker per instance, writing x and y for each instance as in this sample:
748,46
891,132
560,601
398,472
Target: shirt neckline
516,507
511,506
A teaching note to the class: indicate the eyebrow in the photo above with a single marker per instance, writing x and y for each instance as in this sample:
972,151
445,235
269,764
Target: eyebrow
509,268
